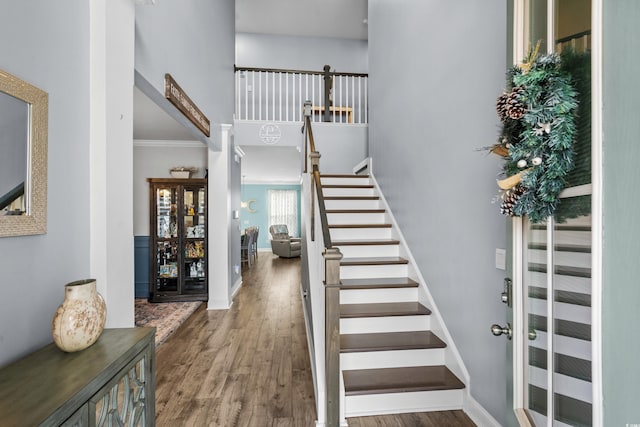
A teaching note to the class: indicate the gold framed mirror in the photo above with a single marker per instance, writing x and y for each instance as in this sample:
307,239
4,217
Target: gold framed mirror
24,112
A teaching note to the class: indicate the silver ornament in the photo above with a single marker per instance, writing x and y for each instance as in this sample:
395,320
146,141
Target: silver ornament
536,161
522,163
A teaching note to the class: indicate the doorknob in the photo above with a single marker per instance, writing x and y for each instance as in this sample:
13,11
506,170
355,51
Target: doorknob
498,330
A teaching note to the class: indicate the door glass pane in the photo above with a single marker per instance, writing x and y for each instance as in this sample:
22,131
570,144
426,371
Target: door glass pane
537,25
535,282
572,321
572,233
573,42
166,220
573,25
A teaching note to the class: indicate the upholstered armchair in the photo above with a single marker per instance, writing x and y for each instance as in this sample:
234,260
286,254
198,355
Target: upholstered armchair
282,244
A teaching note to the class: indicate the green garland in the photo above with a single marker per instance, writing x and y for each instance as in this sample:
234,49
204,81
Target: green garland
537,113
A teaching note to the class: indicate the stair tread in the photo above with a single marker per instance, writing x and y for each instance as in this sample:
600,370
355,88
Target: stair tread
351,197
374,261
367,186
390,282
333,175
387,341
354,211
360,226
365,242
383,309
400,380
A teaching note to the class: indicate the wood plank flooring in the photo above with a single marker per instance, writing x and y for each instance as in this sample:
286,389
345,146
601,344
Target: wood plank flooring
249,366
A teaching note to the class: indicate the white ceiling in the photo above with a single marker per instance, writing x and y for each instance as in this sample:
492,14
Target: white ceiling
271,164
150,122
317,18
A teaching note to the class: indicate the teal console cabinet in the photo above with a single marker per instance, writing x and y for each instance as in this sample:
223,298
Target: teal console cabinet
111,383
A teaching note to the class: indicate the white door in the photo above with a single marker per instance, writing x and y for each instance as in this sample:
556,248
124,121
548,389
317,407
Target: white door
552,269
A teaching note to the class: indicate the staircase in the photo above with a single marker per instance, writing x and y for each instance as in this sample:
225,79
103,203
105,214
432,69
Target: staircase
391,360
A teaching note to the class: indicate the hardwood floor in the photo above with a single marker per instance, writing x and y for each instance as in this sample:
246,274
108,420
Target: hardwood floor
249,365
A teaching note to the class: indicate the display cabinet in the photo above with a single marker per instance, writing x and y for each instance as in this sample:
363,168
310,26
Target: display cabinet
178,243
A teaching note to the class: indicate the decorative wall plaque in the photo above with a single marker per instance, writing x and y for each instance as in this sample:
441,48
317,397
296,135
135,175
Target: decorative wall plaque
174,93
270,133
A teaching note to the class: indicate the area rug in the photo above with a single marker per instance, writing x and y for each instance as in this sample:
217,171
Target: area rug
166,317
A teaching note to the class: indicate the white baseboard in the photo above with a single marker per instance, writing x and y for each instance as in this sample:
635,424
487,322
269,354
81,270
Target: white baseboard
219,304
477,413
225,304
343,423
236,288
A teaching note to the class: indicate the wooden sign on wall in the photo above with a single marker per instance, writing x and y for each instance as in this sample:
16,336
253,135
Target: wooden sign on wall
174,93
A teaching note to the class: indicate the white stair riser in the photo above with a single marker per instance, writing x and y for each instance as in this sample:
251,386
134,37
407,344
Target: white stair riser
366,325
367,271
396,403
345,181
392,359
352,204
348,191
356,218
370,296
364,251
360,233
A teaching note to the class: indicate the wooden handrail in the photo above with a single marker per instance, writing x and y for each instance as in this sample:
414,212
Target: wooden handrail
12,195
291,71
574,36
315,171
332,257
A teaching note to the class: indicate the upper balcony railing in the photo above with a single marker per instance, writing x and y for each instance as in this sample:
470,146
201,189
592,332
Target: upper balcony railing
279,95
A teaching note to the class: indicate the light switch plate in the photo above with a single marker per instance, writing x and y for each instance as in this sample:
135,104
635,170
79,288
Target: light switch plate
501,259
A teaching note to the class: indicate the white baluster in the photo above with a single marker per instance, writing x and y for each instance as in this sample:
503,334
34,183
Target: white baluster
280,96
260,95
253,95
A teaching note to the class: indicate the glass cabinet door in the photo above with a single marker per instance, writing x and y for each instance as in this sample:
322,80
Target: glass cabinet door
167,239
166,212
194,215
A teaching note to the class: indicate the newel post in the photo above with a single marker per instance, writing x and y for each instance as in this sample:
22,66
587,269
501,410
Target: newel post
332,257
328,82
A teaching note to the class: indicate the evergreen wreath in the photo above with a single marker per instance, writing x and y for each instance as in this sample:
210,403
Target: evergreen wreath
538,128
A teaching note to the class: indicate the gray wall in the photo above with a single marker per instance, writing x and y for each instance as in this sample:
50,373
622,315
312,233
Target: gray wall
52,53
436,68
621,270
341,146
154,160
193,41
301,53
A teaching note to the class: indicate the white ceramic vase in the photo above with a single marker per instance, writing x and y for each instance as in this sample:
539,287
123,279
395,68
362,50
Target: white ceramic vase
79,320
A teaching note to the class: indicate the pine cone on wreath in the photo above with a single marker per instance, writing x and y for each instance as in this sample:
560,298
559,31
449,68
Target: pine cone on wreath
501,106
514,107
510,199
